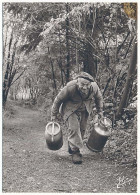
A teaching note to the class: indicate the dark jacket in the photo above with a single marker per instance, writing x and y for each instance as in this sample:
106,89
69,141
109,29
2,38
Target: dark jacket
69,100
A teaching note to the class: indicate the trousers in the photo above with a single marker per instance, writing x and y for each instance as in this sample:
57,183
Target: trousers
77,123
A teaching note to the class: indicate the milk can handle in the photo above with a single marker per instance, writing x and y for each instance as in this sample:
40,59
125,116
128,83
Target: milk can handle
52,131
102,124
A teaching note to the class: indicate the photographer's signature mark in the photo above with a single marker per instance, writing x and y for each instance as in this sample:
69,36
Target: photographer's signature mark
122,181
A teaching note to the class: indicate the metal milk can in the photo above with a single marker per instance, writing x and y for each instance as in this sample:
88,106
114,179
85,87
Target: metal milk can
99,135
53,136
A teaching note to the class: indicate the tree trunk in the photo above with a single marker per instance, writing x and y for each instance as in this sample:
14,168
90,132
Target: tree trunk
129,81
60,62
76,55
128,47
121,45
53,75
7,72
67,46
89,60
107,84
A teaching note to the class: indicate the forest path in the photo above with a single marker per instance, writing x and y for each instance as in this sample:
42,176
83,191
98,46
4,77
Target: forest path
28,166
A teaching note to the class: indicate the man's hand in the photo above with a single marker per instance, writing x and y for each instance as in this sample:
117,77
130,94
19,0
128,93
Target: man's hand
56,118
100,116
53,118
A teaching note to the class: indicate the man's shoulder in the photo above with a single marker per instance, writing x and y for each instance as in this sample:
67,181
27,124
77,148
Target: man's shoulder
71,84
94,86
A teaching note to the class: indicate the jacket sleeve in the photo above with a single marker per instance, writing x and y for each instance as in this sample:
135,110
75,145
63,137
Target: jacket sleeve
60,98
98,98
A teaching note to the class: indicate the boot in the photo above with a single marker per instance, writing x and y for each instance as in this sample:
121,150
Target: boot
76,157
70,150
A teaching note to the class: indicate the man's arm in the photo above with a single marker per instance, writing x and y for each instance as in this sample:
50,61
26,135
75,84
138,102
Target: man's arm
60,98
98,99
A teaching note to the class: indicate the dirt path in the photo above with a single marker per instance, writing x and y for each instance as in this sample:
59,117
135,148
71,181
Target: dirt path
28,166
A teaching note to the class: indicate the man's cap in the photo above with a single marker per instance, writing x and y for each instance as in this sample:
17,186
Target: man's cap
85,75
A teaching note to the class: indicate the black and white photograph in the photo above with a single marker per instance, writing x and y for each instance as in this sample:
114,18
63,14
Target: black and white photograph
69,96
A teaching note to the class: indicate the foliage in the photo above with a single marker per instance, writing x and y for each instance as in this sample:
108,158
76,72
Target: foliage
122,144
99,39
130,9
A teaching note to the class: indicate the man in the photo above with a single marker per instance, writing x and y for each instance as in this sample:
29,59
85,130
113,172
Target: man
75,103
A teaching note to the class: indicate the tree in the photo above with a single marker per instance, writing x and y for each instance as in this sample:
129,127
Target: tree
129,81
131,11
18,21
12,39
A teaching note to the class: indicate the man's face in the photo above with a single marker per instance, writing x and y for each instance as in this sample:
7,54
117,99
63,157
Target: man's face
84,85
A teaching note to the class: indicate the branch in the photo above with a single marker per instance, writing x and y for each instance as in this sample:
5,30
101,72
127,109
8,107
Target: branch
18,77
128,47
120,46
93,22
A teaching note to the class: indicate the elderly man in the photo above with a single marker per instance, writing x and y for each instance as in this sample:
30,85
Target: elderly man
75,102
